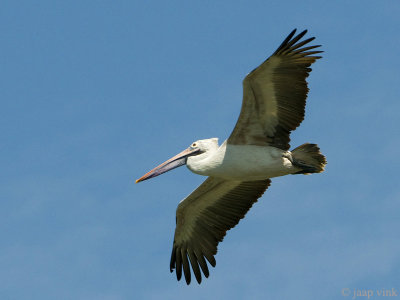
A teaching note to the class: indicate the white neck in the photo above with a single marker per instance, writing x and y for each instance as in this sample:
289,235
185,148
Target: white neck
204,163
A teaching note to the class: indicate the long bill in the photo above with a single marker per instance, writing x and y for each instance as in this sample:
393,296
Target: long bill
172,163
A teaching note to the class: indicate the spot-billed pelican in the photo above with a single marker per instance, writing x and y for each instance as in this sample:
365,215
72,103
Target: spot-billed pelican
239,170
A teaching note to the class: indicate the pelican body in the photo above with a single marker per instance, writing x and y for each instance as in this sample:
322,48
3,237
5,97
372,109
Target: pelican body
239,170
240,162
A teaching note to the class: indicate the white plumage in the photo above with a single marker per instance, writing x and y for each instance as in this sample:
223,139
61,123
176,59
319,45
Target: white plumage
240,162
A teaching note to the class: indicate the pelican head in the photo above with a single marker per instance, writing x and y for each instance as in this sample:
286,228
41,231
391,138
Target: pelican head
198,148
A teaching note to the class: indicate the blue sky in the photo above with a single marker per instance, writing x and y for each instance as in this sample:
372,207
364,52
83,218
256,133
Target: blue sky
95,93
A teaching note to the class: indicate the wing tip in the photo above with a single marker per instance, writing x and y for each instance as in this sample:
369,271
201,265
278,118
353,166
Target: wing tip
286,40
292,42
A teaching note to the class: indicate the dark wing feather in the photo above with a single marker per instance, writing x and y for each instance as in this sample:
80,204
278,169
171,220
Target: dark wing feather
204,217
274,95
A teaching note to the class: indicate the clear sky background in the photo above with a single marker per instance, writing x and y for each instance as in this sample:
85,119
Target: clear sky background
95,93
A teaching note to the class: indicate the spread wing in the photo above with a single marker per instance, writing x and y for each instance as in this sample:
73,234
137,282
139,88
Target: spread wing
274,95
203,218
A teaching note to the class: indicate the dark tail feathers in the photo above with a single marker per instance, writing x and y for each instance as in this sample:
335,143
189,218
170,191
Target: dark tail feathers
309,159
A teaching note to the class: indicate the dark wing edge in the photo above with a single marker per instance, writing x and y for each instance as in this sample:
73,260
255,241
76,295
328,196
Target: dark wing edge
287,70
209,224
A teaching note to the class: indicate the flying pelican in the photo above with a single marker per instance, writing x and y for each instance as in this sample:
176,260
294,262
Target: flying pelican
239,170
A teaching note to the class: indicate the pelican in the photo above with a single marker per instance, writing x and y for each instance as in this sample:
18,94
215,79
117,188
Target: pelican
239,170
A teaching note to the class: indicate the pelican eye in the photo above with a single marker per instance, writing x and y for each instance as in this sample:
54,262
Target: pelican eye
194,145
